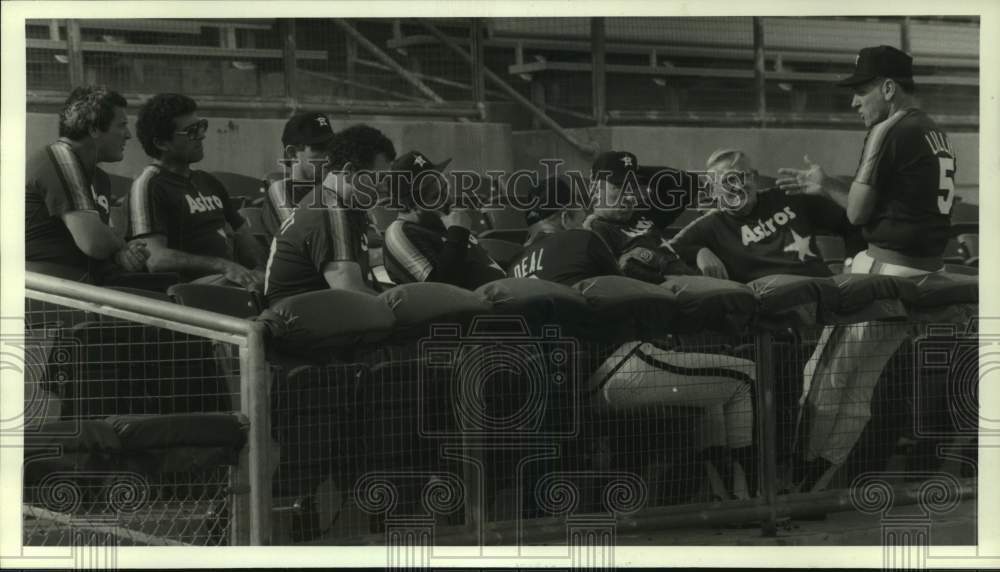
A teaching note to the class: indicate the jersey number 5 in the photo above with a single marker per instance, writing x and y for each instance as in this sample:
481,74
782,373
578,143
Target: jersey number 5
946,184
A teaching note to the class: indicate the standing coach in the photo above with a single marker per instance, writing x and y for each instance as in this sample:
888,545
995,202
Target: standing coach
901,196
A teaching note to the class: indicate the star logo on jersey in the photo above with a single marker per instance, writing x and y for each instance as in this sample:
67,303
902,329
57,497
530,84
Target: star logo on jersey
419,161
800,245
322,121
627,161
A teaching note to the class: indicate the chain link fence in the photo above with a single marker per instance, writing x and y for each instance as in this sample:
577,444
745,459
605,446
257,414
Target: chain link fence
133,427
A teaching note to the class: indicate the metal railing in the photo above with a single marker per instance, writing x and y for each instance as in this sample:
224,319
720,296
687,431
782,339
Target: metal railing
652,434
251,481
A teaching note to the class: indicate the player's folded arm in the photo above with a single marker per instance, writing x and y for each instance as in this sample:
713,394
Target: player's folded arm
345,275
91,235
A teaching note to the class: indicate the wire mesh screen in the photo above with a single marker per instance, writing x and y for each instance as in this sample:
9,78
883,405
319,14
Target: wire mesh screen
130,429
471,429
873,398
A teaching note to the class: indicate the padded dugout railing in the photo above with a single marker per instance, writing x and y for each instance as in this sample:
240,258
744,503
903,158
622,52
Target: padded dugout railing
366,367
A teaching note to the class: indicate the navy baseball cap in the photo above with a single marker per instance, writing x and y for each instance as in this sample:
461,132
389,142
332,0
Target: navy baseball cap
411,165
879,61
551,196
308,128
614,166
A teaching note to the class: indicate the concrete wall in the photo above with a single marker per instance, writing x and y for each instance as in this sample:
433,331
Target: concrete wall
688,147
253,146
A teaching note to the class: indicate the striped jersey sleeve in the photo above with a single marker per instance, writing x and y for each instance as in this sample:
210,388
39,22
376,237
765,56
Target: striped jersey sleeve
278,200
406,255
876,148
337,241
144,211
74,192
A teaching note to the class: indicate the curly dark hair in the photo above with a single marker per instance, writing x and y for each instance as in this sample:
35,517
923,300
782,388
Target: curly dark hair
88,107
156,119
359,145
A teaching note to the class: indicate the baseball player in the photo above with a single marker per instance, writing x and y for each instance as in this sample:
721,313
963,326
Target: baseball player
640,373
306,142
635,236
754,233
901,196
360,147
430,241
185,215
323,243
66,199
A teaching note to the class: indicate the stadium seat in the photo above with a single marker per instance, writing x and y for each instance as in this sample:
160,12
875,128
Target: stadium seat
236,302
505,223
969,243
238,185
143,283
145,293
253,217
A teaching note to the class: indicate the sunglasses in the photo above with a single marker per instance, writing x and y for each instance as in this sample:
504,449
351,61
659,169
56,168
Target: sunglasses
194,131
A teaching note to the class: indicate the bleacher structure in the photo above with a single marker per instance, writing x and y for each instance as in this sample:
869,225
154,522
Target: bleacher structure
185,414
580,71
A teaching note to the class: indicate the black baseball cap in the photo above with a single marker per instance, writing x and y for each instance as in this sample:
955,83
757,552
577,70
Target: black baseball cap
412,164
879,61
551,196
614,166
308,128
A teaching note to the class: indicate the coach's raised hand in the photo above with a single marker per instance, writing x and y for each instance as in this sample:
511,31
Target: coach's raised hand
809,181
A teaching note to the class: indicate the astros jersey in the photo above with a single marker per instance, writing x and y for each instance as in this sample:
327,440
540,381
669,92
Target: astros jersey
777,237
566,257
281,196
308,240
641,247
909,162
56,184
191,211
428,252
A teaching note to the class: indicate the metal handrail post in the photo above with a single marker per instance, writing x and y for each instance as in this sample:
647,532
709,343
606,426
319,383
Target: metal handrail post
767,430
255,403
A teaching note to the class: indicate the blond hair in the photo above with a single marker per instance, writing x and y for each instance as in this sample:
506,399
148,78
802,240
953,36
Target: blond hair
731,157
